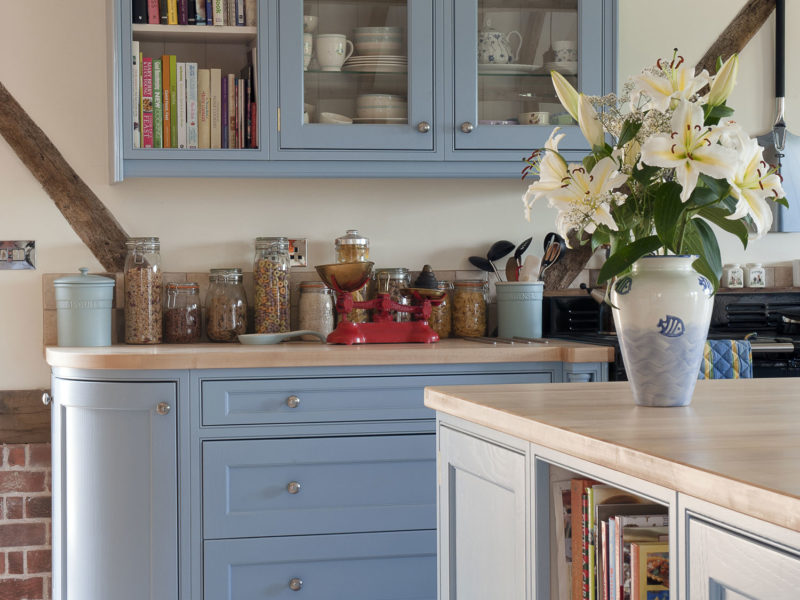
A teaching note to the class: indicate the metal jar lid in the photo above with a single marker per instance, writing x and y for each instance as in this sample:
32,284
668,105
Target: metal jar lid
392,273
315,286
83,279
352,237
144,243
182,287
227,274
266,242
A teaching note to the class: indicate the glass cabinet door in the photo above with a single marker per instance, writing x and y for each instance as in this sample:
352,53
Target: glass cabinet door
504,51
356,75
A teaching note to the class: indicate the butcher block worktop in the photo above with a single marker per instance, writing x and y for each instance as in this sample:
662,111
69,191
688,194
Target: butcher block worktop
737,445
314,354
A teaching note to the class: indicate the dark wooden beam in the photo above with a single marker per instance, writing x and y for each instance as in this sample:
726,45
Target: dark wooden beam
564,272
82,209
24,419
736,35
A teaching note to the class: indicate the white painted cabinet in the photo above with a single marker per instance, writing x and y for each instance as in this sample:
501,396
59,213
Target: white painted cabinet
115,533
483,519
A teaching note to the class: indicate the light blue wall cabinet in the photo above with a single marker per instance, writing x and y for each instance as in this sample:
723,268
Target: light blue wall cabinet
377,88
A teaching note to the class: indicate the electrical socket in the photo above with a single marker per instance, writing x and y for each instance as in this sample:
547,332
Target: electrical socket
298,252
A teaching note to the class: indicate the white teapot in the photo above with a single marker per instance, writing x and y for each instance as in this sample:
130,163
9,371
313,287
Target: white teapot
494,47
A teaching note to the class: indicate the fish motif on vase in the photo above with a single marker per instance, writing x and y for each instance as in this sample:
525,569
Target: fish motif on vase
624,285
671,326
708,289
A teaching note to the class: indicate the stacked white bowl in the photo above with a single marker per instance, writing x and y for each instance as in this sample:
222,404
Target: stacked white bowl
371,41
381,106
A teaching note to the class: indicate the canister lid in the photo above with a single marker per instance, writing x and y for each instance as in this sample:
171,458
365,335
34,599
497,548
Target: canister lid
392,273
145,243
265,242
352,237
84,279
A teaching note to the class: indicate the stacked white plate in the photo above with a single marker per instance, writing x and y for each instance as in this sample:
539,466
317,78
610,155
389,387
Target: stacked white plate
376,64
381,108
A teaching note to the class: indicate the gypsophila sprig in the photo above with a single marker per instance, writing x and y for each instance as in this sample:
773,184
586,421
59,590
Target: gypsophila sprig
666,160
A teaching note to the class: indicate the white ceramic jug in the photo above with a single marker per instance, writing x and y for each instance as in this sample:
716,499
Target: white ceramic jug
494,47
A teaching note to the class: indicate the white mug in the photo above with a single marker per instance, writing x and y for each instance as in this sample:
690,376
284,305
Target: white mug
308,47
332,50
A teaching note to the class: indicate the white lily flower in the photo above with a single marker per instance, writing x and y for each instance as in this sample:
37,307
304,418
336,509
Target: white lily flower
691,148
567,95
589,122
552,171
732,135
584,200
753,183
667,85
724,80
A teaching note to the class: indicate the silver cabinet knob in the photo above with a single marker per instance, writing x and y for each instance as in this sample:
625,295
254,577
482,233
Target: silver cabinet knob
163,408
467,127
295,584
293,401
424,127
46,399
293,487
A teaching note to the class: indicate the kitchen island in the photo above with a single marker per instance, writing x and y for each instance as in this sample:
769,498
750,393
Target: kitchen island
222,471
727,467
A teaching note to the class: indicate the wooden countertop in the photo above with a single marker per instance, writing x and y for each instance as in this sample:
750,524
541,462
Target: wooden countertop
315,354
737,445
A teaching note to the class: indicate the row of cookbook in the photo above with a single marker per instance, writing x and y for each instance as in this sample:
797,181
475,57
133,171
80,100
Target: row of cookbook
178,105
611,545
194,12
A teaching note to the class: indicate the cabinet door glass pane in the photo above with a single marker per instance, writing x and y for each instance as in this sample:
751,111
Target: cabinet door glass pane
355,60
519,44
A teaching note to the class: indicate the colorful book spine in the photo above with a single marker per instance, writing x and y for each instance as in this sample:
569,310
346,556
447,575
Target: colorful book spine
592,574
224,113
216,106
147,102
162,11
577,491
192,19
651,577
250,13
136,103
173,101
181,104
240,130
230,12
209,12
613,587
139,9
232,110
219,12
254,124
166,104
191,105
152,12
172,12
200,9
240,13
248,117
203,108
183,12
158,106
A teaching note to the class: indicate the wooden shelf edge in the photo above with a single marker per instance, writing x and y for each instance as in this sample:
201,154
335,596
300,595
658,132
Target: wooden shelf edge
193,33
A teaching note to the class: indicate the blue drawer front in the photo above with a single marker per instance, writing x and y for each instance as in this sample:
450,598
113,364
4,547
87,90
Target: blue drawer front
367,566
332,399
346,485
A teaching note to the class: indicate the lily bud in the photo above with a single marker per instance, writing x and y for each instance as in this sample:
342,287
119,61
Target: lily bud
723,83
589,122
567,94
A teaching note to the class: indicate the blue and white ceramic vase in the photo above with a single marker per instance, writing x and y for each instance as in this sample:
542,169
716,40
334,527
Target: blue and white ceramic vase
662,311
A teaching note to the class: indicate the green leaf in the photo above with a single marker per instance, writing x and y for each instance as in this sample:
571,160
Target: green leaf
626,256
720,187
719,64
589,161
782,202
717,113
700,239
667,210
702,267
702,196
600,237
629,131
645,174
718,215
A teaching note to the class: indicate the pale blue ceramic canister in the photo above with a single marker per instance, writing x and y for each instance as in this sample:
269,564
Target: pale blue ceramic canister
519,308
84,309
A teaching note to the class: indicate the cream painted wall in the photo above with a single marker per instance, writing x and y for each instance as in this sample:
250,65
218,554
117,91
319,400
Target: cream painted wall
54,60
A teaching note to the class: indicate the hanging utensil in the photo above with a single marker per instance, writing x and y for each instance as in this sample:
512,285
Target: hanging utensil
512,269
524,245
497,251
781,147
552,254
530,269
482,263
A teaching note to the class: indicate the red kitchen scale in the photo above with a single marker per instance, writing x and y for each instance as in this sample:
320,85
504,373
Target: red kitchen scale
346,278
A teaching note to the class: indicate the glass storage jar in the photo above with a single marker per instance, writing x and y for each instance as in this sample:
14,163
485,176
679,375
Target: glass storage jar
391,281
315,308
469,308
181,312
352,247
271,279
441,320
226,305
143,291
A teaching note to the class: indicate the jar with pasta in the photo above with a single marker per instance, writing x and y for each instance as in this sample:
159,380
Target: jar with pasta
352,247
441,320
181,312
469,308
143,291
271,279
226,305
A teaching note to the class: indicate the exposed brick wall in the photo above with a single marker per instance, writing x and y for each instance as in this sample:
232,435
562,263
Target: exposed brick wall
25,524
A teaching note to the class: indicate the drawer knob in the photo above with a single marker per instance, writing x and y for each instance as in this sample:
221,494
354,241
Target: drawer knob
163,408
46,399
293,401
293,487
423,127
295,584
467,127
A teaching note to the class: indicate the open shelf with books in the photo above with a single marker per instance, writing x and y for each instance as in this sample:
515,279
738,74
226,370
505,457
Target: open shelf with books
195,34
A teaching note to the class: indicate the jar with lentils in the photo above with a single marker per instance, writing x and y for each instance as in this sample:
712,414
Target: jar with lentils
469,308
143,291
271,278
182,313
226,305
315,308
441,315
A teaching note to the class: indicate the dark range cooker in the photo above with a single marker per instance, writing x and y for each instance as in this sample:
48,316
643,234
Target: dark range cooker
771,321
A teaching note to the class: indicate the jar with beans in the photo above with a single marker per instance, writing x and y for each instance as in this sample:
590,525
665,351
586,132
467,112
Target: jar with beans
271,275
226,305
441,315
182,313
315,308
391,281
469,308
143,291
